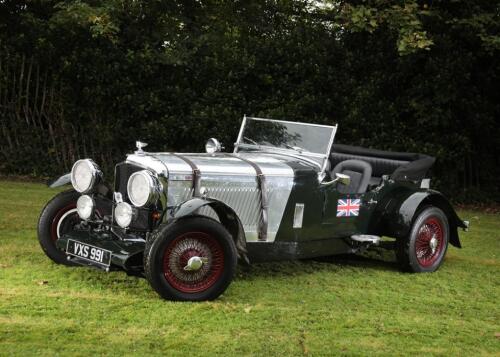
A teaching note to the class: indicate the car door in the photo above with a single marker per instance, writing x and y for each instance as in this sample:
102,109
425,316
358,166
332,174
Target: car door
341,211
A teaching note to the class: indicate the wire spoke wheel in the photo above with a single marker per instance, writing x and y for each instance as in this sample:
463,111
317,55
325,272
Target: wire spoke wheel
193,259
429,242
181,250
424,248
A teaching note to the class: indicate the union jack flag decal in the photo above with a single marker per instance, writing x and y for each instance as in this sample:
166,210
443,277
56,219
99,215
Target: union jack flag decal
347,207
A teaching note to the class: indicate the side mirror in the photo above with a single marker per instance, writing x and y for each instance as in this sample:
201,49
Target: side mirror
343,179
213,145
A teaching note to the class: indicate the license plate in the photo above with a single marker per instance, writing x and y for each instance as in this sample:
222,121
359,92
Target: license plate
89,252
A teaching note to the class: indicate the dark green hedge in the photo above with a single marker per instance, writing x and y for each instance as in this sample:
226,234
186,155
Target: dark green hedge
88,78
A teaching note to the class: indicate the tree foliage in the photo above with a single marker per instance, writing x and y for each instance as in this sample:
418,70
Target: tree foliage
88,78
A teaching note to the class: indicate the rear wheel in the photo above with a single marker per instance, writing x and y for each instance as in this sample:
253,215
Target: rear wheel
193,259
58,217
423,250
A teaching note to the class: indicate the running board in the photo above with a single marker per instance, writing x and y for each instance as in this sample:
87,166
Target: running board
365,238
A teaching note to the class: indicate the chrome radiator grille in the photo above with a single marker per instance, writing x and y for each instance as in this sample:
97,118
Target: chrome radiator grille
122,173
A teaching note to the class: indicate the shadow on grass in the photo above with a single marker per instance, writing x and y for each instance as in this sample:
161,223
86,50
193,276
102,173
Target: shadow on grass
138,287
361,261
380,260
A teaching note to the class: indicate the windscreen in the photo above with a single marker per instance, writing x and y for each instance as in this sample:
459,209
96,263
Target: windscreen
300,137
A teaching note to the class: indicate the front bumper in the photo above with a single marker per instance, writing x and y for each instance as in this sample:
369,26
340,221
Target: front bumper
127,255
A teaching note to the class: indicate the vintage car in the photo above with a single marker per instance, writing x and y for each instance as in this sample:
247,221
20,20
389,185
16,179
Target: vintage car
286,192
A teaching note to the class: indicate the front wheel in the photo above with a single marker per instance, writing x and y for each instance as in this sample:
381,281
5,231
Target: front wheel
193,259
59,216
423,250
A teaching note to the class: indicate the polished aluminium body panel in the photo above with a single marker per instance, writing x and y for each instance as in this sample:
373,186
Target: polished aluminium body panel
230,180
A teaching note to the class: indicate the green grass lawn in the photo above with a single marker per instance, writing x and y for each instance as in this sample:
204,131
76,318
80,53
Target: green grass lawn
338,306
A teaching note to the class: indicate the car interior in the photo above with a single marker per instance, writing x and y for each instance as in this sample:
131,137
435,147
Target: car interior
367,166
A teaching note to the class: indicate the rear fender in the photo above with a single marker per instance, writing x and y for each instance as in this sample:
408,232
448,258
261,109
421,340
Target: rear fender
227,217
399,220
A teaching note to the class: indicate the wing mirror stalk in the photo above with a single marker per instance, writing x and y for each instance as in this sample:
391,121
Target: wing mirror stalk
343,179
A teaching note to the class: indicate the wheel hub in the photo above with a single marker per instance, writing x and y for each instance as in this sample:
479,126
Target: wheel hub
195,263
433,243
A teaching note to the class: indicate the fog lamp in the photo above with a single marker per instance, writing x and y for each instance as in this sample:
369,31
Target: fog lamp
123,214
85,206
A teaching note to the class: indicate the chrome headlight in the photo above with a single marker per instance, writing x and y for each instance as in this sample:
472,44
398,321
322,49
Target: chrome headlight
85,206
123,214
84,175
143,188
212,146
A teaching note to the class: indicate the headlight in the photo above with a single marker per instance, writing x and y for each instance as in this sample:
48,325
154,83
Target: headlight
143,188
213,145
123,214
85,206
84,175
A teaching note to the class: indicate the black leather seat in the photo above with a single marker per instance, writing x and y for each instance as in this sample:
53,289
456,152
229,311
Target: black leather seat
397,165
360,173
380,166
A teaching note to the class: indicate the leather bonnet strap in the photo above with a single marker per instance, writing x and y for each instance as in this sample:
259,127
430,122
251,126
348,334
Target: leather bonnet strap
196,174
261,181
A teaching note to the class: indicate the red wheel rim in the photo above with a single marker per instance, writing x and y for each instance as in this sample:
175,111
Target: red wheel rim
186,246
57,218
429,242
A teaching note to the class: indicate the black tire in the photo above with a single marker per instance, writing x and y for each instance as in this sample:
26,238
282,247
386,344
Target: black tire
59,212
147,246
423,250
172,245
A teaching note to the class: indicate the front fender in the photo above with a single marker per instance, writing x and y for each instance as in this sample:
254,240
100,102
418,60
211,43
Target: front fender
102,188
227,217
60,181
400,218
